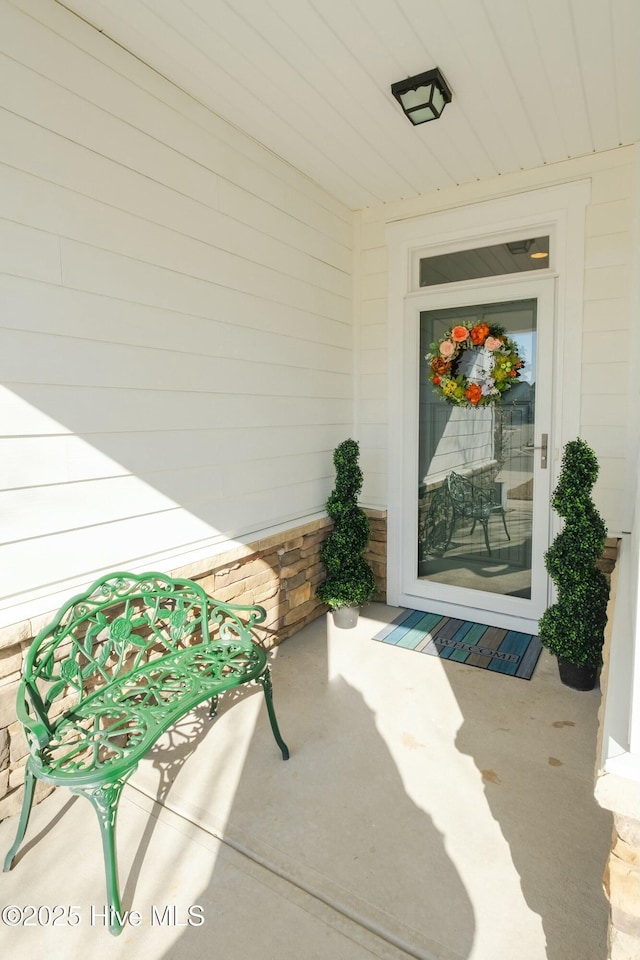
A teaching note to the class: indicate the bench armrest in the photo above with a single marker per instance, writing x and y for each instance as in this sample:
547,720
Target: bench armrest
31,714
248,615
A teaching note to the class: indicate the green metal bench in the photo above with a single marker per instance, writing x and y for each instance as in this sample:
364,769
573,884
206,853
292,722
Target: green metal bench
117,667
470,501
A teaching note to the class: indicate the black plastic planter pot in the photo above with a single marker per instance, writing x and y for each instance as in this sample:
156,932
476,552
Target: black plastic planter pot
577,676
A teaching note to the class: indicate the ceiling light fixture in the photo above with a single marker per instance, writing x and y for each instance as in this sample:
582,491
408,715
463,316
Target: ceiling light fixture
519,246
422,97
540,249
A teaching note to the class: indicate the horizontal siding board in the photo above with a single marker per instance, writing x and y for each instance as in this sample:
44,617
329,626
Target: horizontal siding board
374,361
607,378
41,511
374,260
139,541
373,385
604,282
44,410
609,250
102,271
209,494
374,286
29,253
30,95
246,257
226,317
616,182
373,410
30,309
609,441
55,158
59,459
611,475
374,337
86,363
27,461
374,314
245,206
603,219
606,314
600,411
600,346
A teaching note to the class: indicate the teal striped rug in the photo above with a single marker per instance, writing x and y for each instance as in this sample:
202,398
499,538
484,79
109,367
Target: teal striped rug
490,648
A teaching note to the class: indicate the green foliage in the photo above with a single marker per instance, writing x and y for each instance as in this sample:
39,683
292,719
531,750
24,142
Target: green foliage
573,628
350,581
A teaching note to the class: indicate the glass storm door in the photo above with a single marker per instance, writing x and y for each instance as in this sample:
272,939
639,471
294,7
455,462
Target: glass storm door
478,524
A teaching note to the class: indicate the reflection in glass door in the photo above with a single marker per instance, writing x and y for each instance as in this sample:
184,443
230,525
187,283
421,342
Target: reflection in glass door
475,467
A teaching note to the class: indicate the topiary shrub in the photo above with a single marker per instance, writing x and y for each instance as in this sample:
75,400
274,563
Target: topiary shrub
350,581
573,628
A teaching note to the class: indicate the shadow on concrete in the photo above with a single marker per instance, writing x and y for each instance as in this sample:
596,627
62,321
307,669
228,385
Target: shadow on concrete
534,744
335,822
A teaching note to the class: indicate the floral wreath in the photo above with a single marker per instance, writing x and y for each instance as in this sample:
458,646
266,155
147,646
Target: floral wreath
494,368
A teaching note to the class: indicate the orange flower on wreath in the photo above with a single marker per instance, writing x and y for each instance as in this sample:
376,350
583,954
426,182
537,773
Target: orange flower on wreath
460,334
479,334
473,393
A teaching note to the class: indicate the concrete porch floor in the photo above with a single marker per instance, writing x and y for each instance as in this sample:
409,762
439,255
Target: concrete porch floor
429,809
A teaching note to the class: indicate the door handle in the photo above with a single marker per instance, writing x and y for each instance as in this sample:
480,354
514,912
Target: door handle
543,450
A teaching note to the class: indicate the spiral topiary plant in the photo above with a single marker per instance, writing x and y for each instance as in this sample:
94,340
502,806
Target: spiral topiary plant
573,628
350,581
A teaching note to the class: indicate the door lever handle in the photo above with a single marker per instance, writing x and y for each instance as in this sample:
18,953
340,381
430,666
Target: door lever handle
543,449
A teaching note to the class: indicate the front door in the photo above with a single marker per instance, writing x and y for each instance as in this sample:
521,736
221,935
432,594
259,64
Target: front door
476,515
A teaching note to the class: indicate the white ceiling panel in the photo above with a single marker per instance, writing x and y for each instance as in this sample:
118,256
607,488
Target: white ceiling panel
533,81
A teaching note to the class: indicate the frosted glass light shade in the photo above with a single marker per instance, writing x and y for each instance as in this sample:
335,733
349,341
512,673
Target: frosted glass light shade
422,97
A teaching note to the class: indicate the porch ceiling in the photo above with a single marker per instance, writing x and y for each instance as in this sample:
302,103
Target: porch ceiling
533,83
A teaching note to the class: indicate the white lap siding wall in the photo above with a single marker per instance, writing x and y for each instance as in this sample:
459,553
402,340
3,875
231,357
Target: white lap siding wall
175,321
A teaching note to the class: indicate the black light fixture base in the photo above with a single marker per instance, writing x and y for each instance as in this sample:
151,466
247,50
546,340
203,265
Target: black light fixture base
423,97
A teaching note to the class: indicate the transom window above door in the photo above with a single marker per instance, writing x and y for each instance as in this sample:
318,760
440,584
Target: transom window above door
516,256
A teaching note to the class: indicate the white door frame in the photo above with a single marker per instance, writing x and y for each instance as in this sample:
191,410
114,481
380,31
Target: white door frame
556,211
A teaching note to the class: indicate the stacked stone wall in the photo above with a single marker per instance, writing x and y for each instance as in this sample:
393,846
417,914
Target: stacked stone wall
621,884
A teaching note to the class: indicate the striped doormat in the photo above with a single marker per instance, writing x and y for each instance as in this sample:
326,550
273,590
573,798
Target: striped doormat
490,648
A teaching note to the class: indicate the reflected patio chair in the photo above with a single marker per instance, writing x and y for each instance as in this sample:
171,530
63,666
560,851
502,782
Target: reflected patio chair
469,501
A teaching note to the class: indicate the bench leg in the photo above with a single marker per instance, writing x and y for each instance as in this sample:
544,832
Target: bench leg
104,800
485,529
451,529
29,785
265,680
